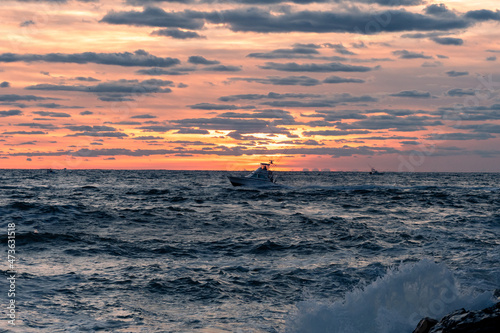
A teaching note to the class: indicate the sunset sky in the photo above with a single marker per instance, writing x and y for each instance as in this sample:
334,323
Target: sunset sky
399,85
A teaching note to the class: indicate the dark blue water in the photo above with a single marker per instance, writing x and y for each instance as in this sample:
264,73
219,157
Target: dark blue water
180,251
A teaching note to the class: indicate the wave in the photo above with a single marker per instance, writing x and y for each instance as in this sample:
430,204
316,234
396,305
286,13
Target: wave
393,303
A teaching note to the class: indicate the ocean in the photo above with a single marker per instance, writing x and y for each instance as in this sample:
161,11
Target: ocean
184,251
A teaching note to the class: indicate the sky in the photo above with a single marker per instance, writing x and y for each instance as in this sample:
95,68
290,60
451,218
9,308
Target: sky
398,85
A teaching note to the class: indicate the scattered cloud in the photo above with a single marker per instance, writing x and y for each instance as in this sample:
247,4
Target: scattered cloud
52,114
457,73
210,106
318,68
282,81
405,54
137,58
176,33
143,116
448,40
271,95
10,113
337,79
199,60
412,94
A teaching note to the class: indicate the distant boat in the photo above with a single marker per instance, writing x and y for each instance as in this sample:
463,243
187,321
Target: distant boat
263,176
375,172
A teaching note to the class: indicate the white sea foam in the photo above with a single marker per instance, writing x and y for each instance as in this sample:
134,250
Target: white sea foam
393,303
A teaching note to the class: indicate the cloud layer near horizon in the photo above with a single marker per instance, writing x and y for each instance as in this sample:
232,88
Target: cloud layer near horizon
243,79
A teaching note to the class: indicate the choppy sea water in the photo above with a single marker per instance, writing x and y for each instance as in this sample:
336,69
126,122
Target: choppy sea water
182,251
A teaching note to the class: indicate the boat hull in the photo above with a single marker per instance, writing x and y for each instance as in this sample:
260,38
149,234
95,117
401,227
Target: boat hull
245,181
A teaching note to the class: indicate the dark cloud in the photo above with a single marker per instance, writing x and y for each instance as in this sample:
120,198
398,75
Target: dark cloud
4,84
264,114
394,137
335,100
49,1
395,112
219,151
412,94
15,98
492,58
156,128
146,2
87,79
271,95
298,51
359,45
25,133
10,113
192,131
101,134
300,104
334,132
86,113
115,98
240,125
199,60
420,35
38,125
407,124
86,128
268,2
143,116
134,87
340,48
26,23
482,128
159,71
282,81
440,10
329,115
404,54
157,17
57,106
448,40
319,68
460,92
260,20
150,137
483,15
456,74
469,113
460,136
337,79
210,106
223,68
52,114
176,33
138,58
127,123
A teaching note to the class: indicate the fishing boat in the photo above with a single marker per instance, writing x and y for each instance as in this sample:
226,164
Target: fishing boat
375,172
263,176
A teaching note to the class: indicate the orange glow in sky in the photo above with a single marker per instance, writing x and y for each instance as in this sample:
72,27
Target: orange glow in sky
224,85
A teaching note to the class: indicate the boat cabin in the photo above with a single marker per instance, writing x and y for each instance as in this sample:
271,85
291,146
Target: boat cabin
263,172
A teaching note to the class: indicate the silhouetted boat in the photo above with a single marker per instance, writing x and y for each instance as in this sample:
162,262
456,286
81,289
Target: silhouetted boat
263,176
375,172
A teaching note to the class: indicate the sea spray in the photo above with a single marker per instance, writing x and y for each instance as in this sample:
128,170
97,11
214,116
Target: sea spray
393,303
